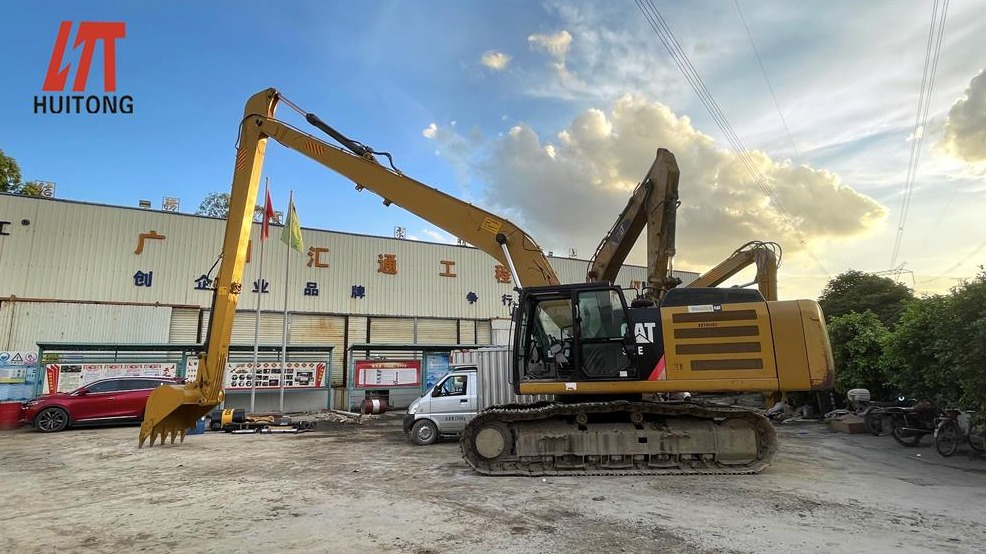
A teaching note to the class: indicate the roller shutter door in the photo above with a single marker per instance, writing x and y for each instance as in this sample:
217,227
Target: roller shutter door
484,332
467,332
437,331
244,324
184,326
324,331
391,330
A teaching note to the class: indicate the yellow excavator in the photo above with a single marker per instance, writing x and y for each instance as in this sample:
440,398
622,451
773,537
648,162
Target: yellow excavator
580,342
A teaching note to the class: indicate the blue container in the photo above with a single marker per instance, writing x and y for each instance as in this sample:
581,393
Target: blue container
199,427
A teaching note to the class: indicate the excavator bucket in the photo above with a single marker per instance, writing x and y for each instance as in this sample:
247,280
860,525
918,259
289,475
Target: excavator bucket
171,411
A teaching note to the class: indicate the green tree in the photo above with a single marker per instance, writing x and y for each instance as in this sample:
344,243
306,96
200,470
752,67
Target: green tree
965,337
855,291
216,204
857,345
918,357
10,174
31,188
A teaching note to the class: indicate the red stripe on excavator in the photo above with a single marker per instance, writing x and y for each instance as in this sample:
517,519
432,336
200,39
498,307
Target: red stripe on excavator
658,373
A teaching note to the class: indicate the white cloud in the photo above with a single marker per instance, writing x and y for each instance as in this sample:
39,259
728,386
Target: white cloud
432,235
965,127
431,131
497,61
557,46
568,194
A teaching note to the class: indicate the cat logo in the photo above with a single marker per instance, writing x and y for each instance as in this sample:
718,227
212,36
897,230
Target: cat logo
643,333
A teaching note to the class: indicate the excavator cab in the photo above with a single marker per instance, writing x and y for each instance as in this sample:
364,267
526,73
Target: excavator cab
573,333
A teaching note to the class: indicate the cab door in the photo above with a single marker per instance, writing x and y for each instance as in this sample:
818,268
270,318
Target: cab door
453,402
602,336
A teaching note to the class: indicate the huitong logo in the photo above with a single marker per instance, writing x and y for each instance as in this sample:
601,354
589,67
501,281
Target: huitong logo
89,34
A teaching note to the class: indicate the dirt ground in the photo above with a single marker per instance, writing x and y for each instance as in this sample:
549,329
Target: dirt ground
349,488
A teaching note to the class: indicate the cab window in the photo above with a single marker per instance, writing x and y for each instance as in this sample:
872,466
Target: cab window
455,385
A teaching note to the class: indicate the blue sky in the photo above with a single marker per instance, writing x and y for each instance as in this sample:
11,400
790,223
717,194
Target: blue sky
548,112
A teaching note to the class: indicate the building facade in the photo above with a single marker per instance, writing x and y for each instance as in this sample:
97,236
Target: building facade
73,272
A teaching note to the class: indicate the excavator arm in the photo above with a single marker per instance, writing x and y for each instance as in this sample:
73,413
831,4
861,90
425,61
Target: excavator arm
766,256
653,205
171,410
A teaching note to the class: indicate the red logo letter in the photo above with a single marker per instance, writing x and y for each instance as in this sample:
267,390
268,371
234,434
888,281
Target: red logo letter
89,33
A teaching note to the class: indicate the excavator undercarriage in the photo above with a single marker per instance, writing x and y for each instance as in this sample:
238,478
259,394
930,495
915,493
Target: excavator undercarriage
618,438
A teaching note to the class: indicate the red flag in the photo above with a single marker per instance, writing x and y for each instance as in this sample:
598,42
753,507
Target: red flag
268,216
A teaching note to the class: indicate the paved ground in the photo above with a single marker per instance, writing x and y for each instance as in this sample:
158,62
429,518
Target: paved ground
347,488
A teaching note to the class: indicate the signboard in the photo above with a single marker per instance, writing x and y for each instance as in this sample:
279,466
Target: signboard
239,376
62,377
436,366
371,374
18,375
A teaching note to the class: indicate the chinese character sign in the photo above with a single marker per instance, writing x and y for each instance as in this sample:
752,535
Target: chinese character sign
387,264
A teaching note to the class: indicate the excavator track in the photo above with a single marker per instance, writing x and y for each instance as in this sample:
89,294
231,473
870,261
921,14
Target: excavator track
618,438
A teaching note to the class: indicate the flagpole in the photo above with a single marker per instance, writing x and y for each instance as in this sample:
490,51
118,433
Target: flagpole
260,294
284,331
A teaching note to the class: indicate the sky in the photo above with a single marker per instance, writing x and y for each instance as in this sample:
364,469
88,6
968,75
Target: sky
550,113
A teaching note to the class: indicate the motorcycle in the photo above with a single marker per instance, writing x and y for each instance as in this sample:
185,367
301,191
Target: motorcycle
876,417
958,426
908,425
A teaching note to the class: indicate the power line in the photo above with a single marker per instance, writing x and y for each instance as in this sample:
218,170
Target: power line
664,33
936,33
957,265
770,87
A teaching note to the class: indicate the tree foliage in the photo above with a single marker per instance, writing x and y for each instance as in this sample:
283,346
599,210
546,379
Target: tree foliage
10,174
216,204
936,350
857,341
855,291
917,357
967,336
10,178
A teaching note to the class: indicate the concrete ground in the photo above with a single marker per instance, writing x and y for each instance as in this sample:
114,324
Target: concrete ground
350,488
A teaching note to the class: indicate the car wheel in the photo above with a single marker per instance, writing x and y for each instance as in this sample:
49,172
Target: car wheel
51,420
424,432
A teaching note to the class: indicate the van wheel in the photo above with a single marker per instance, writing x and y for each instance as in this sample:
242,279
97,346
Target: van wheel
424,432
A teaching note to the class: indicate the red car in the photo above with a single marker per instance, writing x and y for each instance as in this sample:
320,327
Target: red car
108,401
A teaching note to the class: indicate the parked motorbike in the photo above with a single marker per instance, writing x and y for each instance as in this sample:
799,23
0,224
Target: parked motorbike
956,427
876,418
908,425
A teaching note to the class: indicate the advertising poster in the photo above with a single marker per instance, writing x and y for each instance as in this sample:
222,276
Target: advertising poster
68,377
390,373
436,366
18,375
296,375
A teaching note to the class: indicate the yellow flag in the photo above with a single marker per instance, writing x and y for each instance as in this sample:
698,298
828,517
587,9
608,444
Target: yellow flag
291,235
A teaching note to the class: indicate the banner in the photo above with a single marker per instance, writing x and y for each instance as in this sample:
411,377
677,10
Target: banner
436,366
18,375
297,375
385,374
68,377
